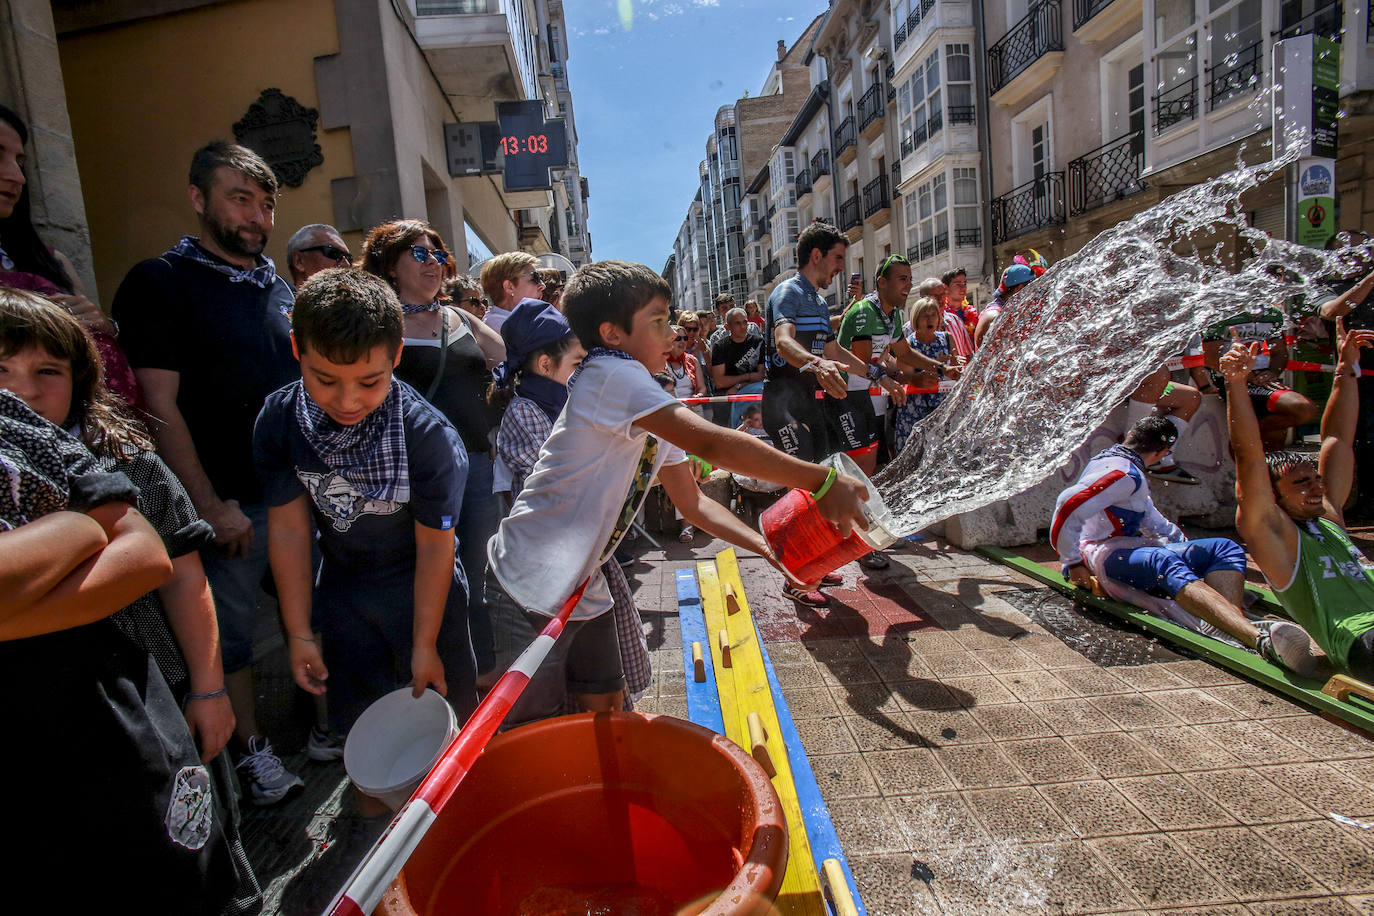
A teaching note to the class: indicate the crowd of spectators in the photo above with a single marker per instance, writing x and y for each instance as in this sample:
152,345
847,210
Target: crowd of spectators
411,469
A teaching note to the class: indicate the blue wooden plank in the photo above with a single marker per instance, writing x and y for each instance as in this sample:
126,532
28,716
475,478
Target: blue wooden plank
820,830
703,700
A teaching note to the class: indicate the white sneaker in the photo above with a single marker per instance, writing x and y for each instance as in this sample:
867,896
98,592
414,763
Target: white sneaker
1287,645
270,782
323,745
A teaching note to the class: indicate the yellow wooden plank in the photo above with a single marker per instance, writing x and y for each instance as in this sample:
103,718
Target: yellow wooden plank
748,685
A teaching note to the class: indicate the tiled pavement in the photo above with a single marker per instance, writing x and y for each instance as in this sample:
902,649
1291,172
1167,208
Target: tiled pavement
975,763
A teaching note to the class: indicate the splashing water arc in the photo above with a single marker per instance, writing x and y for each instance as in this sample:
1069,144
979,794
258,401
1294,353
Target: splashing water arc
1080,338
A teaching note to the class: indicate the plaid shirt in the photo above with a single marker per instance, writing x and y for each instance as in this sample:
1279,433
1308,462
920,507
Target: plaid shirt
523,431
371,454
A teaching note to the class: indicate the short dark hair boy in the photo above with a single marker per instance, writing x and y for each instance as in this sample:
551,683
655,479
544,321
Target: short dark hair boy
618,430
362,458
818,235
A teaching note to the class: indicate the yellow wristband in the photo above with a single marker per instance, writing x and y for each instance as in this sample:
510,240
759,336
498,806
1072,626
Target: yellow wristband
825,487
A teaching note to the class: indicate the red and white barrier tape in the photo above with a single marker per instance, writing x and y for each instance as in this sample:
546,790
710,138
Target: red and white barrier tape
1296,365
383,863
945,386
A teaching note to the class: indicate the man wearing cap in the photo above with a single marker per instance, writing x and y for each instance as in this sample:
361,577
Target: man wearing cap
1013,278
1106,525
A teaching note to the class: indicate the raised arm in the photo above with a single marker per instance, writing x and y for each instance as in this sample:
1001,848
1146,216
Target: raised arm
1337,461
1342,304
1270,535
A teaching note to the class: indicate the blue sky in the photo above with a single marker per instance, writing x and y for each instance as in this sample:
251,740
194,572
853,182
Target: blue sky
647,77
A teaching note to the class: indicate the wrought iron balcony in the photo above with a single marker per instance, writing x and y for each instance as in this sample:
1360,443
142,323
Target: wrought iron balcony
1108,173
1039,32
896,178
871,106
820,164
1176,105
803,182
920,135
941,242
875,196
900,38
935,124
918,12
1083,10
1327,21
927,249
963,114
849,214
968,238
1236,74
1034,205
844,136
913,254
908,145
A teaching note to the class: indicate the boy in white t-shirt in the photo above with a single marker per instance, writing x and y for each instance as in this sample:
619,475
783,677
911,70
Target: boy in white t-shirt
618,430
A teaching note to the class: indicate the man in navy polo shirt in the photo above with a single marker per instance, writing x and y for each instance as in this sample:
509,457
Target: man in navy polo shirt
206,330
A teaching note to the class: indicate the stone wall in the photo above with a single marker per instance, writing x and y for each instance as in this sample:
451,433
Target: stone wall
31,84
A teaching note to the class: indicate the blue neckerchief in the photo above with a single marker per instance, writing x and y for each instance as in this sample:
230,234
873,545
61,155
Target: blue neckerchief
548,394
261,276
1121,451
421,307
370,455
593,355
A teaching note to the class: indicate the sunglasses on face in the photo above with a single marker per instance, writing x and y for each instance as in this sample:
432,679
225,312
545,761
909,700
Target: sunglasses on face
421,254
535,279
475,300
330,252
679,339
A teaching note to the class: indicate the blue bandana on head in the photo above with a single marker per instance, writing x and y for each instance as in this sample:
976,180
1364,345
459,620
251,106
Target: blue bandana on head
532,325
261,276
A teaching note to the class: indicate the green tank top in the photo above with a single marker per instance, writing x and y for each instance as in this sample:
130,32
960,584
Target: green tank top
1332,592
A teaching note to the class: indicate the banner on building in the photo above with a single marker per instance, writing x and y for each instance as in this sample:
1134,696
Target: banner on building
1306,95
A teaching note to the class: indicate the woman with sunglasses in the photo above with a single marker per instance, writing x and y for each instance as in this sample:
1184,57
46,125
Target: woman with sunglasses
447,357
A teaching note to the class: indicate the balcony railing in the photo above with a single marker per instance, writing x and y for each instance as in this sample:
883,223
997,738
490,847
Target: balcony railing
1034,205
844,135
1327,21
942,242
556,70
968,238
871,105
896,177
1039,32
908,145
918,12
963,114
770,273
820,164
803,182
913,254
1083,10
849,214
1108,173
900,38
1175,106
927,249
920,135
935,124
875,196
1236,74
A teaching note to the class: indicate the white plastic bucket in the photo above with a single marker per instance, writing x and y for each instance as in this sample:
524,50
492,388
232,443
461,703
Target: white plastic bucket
880,533
395,743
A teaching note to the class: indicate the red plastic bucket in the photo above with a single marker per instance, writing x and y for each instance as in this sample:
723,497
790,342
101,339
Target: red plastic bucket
807,544
605,812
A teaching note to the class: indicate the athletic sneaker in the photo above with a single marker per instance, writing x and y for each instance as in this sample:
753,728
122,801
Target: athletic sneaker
810,599
269,781
1171,474
323,745
831,579
688,532
1287,645
874,560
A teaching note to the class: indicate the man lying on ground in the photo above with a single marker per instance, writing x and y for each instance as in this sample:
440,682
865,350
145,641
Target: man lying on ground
1290,512
1107,525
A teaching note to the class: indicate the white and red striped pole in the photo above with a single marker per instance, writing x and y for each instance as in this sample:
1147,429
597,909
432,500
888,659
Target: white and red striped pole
384,861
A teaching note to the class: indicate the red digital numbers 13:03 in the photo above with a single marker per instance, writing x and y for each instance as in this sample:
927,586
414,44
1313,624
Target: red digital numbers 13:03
534,143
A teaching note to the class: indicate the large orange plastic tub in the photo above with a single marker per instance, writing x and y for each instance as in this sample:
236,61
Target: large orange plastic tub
608,812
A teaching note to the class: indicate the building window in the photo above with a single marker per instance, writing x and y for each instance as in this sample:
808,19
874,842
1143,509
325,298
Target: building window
967,212
959,83
913,229
927,217
1175,62
1236,42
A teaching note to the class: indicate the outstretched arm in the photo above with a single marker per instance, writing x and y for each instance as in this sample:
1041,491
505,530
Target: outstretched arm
1337,462
1342,304
1270,535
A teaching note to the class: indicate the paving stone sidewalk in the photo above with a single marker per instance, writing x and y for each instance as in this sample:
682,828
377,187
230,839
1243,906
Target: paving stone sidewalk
984,749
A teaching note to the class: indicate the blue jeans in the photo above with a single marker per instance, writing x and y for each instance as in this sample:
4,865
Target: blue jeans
236,586
477,522
737,407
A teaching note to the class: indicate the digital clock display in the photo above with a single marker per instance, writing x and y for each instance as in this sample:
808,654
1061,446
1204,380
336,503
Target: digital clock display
534,143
